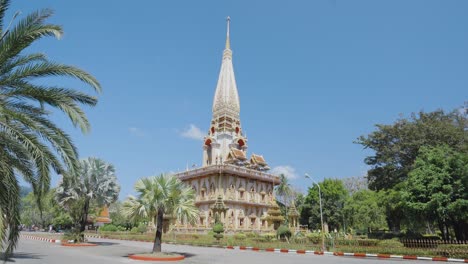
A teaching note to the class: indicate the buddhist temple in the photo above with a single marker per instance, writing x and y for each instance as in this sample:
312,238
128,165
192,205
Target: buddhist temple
228,173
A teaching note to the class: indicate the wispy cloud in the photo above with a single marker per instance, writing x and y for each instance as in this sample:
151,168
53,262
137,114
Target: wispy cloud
136,131
193,132
287,170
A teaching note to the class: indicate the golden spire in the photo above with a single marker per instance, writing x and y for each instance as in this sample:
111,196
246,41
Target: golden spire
228,42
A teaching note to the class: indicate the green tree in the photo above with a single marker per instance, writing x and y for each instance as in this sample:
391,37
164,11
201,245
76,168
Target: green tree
334,195
118,217
362,211
284,190
392,202
30,143
48,213
95,181
437,188
160,195
397,145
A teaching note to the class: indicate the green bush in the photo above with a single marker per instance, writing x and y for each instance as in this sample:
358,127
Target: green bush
283,232
268,236
218,228
390,244
453,251
299,239
108,228
251,234
314,238
357,242
74,235
431,237
142,228
240,236
367,242
134,230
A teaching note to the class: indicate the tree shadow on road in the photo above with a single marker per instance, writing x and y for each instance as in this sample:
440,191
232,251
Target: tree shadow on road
20,255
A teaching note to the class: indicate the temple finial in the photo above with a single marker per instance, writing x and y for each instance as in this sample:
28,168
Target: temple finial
228,42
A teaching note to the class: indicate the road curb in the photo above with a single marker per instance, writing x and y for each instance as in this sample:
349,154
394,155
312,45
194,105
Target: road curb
55,241
283,250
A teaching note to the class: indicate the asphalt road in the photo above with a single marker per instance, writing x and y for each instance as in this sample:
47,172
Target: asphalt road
112,251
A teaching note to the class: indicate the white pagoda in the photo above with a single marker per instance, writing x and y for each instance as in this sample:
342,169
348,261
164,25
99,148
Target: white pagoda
227,171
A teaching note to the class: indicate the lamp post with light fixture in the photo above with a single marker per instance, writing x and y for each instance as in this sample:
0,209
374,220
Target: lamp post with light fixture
321,213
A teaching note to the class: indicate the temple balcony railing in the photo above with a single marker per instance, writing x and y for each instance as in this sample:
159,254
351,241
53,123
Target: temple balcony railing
228,168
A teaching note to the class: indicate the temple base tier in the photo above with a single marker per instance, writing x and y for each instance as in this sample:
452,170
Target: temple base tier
246,193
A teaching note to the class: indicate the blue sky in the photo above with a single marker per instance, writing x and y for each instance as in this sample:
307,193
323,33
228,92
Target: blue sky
312,76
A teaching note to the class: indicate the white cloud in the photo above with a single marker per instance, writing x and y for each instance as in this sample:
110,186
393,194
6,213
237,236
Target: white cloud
288,171
136,131
193,132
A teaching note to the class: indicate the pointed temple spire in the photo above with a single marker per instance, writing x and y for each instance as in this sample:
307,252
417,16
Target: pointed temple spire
226,97
228,41
225,131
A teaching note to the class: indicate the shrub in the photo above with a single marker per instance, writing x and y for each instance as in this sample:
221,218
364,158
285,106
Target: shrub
134,230
314,238
74,235
283,232
268,236
390,244
240,236
431,237
411,235
367,242
251,234
218,229
142,228
454,251
299,239
108,228
357,242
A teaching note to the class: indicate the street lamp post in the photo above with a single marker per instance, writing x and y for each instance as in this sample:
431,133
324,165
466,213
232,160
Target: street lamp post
321,212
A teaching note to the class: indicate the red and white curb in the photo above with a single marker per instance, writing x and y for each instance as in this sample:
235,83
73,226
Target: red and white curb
56,241
358,255
282,250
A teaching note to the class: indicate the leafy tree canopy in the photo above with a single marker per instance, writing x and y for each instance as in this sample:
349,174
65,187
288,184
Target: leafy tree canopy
362,211
437,188
397,145
334,195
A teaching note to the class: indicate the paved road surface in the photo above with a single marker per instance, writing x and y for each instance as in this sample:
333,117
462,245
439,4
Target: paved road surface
112,251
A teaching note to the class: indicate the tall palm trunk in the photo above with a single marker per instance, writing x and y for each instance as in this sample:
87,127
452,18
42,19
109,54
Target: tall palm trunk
159,228
84,216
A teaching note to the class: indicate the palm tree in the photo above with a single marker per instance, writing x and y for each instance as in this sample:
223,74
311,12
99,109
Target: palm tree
159,195
30,143
94,182
284,190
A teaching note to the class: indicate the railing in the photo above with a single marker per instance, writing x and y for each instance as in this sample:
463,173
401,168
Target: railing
228,168
419,247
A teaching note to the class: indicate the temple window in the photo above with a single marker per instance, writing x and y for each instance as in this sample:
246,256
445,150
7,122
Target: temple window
252,221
